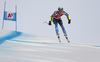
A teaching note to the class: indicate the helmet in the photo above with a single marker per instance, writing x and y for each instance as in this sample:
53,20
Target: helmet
60,9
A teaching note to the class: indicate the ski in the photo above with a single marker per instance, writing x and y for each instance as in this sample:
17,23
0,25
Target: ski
65,37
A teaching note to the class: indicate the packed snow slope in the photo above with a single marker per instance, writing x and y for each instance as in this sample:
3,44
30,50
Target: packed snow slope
21,47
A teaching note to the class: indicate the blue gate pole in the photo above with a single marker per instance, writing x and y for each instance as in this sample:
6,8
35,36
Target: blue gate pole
3,15
16,17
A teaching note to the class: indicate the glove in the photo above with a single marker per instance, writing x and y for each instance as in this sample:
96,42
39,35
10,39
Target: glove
69,21
49,23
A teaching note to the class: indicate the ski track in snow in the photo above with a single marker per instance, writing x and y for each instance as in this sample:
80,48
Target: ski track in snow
17,47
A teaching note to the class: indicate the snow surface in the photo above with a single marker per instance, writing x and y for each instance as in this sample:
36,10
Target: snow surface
21,47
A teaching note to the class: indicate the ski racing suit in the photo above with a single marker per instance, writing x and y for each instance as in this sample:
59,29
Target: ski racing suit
57,20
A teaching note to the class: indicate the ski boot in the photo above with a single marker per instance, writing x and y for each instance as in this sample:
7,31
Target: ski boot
66,38
58,37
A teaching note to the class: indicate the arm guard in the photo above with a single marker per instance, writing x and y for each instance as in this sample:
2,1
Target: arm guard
50,19
69,20
68,17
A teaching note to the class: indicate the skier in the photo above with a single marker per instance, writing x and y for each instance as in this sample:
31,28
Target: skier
56,18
